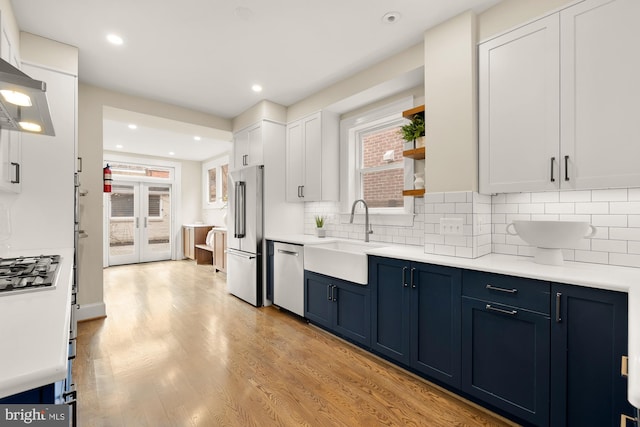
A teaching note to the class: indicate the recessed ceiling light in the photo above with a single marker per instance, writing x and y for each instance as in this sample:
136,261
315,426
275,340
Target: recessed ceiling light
119,146
115,39
197,138
256,88
132,126
391,17
171,153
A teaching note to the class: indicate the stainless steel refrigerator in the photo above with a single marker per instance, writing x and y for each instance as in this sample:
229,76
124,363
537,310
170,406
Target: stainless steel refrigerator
244,237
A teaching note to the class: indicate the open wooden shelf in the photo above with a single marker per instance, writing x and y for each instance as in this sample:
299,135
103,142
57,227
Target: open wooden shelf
415,154
410,113
414,193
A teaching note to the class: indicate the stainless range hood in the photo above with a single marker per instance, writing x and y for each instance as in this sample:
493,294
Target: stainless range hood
23,102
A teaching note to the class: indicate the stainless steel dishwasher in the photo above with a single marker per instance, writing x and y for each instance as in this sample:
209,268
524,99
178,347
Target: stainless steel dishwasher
288,277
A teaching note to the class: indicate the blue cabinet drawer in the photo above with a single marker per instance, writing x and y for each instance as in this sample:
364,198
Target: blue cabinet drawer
528,294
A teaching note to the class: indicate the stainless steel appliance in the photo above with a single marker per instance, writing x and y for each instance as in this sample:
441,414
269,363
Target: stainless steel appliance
244,239
288,277
25,274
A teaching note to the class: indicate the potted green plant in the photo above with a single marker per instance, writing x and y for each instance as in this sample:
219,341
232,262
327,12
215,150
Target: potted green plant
414,131
320,231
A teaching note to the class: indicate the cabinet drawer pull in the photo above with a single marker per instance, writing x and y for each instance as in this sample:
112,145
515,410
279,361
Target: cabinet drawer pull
282,251
17,179
558,302
624,366
500,310
404,277
553,160
495,288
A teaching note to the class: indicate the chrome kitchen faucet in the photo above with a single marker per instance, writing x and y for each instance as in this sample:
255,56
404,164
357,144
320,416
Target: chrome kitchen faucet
367,226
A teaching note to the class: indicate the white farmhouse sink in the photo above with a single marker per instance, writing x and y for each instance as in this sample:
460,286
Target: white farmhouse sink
343,260
549,237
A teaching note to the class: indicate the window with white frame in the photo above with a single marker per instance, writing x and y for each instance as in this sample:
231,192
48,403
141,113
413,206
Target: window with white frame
379,164
376,170
215,174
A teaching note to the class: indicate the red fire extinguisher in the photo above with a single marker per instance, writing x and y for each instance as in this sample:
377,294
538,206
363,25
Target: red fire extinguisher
106,177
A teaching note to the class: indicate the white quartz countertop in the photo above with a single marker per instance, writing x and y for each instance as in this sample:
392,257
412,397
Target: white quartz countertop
623,279
198,225
34,330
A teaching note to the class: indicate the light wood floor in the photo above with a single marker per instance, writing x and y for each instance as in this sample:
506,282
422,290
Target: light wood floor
177,350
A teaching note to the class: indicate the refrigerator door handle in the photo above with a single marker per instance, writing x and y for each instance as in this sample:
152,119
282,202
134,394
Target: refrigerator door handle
240,210
240,254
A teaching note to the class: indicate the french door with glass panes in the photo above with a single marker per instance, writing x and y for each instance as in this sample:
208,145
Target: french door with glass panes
139,216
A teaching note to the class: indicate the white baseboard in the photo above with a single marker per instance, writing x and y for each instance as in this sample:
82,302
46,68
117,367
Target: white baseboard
91,311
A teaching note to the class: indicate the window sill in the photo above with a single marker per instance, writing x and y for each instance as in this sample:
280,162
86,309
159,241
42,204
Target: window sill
389,219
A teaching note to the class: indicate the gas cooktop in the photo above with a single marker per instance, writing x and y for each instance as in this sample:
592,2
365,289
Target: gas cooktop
26,274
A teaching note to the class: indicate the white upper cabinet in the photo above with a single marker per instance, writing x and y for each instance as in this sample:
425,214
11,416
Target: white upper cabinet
247,147
10,141
519,106
556,101
600,94
312,172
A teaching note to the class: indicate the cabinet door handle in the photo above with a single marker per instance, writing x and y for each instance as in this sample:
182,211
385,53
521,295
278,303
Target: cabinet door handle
496,288
500,310
404,277
245,162
553,160
334,294
329,292
302,191
79,164
558,301
413,284
566,168
17,180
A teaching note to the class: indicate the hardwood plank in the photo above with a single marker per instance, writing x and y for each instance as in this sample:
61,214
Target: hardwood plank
177,350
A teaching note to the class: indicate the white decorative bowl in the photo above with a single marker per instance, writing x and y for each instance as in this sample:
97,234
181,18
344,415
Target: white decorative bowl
549,237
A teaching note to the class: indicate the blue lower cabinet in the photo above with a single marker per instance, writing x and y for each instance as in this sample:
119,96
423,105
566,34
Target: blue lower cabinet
41,395
270,269
416,316
589,338
339,306
505,358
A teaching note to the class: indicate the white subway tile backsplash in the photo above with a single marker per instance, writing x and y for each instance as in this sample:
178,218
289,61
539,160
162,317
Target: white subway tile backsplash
634,195
505,249
609,220
463,208
634,221
433,198
617,246
592,208
628,208
586,218
505,208
601,233
518,198
445,250
633,247
559,208
545,217
531,208
613,195
456,197
628,260
444,208
547,197
464,252
592,256
624,233
575,196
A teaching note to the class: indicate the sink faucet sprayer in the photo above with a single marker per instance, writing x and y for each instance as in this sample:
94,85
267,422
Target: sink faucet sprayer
367,227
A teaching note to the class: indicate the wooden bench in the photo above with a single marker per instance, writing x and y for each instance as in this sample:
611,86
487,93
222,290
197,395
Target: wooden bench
204,254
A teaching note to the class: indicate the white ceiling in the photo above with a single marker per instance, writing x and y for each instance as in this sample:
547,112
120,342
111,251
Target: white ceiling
206,54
